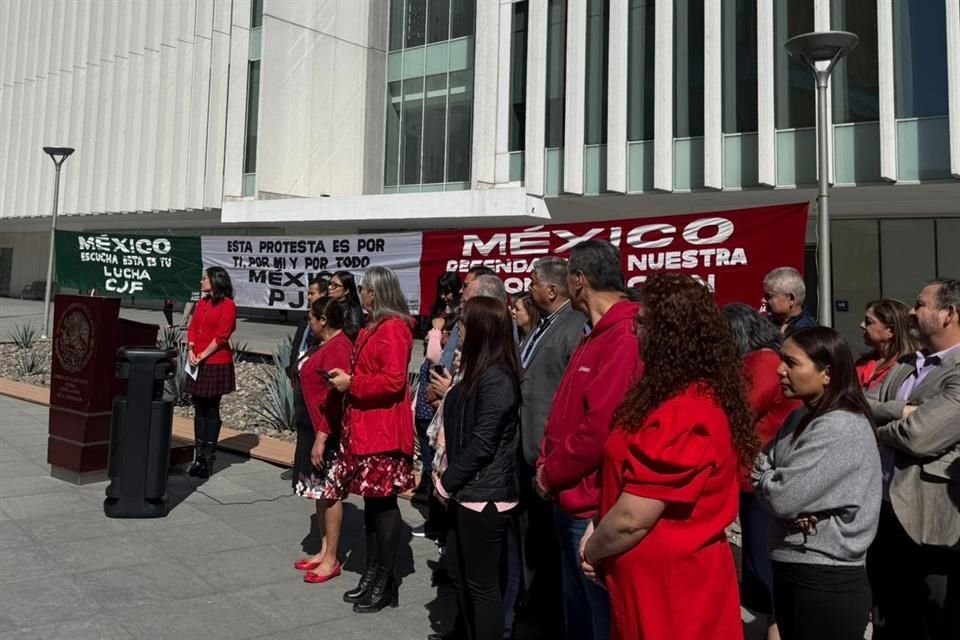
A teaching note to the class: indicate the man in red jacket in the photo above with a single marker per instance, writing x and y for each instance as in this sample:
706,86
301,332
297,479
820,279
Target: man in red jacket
593,386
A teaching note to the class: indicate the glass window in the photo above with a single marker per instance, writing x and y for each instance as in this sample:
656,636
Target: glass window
556,70
856,87
793,82
920,58
416,22
256,13
687,68
391,165
740,66
412,131
253,107
598,33
438,20
641,54
396,25
518,77
434,113
459,123
462,16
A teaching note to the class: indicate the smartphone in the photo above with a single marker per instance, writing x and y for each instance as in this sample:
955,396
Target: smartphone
326,374
438,369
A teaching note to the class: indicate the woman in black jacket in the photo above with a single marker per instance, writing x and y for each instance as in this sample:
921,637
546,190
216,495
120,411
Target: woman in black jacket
343,289
480,478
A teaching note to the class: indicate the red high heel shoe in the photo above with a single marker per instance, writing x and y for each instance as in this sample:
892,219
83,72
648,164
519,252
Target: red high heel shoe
316,578
305,565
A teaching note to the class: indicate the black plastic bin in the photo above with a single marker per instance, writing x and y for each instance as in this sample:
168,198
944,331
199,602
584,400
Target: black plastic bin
140,435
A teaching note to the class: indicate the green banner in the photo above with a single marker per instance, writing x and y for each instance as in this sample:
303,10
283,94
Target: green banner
131,265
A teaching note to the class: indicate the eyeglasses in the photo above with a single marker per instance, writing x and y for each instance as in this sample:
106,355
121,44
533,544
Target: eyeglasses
334,285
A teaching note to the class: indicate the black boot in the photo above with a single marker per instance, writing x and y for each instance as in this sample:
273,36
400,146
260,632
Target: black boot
366,580
383,592
199,467
209,458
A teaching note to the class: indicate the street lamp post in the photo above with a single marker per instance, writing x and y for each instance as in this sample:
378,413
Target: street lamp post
58,155
811,48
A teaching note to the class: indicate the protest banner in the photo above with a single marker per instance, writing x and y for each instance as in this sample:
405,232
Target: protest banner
124,264
272,272
730,251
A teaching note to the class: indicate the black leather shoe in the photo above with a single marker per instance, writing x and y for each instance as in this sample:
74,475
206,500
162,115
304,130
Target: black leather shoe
357,593
199,467
450,635
383,592
287,475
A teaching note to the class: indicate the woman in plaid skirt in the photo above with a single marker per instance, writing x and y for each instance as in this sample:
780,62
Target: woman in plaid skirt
208,342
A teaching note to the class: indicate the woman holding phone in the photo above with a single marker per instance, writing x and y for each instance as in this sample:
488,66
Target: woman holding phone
318,447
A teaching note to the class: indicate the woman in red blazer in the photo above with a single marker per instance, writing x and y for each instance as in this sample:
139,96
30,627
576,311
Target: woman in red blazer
208,343
759,342
377,442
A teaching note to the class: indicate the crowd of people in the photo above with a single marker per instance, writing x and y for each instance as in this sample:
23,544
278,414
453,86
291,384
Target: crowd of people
584,448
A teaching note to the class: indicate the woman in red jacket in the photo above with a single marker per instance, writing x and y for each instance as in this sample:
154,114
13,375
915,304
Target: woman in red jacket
208,343
668,482
886,330
758,341
377,443
318,448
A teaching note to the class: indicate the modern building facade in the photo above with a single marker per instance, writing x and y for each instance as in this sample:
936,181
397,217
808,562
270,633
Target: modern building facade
306,116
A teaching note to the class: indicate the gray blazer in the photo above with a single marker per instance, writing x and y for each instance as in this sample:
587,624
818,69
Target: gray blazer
925,490
539,381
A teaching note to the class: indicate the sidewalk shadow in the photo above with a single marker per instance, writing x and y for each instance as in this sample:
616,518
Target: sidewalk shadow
180,485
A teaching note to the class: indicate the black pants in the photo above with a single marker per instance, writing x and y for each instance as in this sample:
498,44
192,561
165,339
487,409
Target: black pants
206,419
814,602
475,550
916,588
383,526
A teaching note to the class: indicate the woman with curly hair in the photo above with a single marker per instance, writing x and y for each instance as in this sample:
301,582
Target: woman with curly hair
669,477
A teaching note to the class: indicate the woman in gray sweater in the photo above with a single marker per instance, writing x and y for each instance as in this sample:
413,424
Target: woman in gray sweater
820,479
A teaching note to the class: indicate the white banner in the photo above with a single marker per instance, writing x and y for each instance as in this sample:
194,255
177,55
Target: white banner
272,272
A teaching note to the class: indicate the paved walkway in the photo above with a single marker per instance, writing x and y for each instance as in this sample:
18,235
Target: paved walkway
219,566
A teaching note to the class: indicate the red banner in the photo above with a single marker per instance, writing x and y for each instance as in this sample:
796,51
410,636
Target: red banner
729,250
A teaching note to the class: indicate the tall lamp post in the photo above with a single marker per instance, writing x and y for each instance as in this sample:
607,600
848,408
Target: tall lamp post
811,48
58,155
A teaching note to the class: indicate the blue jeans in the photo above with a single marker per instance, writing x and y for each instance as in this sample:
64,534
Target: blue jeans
586,605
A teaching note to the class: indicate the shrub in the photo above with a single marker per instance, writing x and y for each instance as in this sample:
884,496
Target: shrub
275,402
30,362
24,335
175,387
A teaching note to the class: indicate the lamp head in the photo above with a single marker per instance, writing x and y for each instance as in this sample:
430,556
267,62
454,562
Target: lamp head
821,46
58,154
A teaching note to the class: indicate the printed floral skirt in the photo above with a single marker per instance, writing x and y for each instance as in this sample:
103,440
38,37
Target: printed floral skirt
312,482
376,476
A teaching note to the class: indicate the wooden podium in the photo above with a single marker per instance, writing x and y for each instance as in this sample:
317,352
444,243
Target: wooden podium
87,332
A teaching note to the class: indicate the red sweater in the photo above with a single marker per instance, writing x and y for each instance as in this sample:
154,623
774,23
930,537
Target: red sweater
770,407
600,371
213,323
325,405
379,416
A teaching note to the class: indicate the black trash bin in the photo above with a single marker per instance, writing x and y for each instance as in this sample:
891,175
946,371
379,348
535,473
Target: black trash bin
140,435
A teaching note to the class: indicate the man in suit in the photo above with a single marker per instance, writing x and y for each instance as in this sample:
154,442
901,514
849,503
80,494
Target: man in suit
543,357
302,340
915,559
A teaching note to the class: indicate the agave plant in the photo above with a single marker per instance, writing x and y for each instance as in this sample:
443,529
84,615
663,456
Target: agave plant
30,362
24,335
274,404
170,338
176,387
239,350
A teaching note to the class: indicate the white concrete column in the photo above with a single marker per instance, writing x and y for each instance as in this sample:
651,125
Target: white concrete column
486,41
535,134
713,95
663,97
618,57
575,96
766,125
888,118
953,82
504,54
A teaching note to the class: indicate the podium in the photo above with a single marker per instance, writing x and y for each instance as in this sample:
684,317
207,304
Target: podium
87,332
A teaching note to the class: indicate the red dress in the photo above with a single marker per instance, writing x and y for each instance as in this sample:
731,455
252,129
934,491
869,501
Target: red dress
679,582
